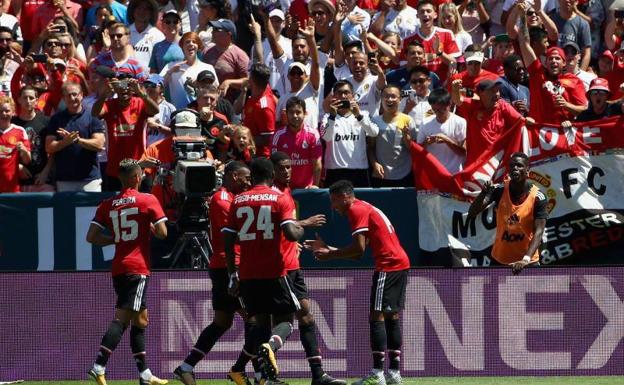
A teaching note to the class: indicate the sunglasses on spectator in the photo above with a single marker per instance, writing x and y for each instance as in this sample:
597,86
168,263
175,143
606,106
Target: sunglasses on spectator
171,21
531,13
419,81
150,85
65,45
53,44
4,39
318,13
117,35
296,73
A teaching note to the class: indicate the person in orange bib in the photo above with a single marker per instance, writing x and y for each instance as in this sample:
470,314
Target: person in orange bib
520,215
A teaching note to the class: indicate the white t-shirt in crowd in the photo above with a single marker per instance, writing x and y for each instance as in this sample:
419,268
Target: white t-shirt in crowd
176,84
282,63
143,43
268,59
404,22
454,128
366,93
311,99
421,111
346,141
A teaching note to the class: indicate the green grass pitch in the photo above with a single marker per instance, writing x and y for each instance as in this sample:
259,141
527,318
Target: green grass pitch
603,380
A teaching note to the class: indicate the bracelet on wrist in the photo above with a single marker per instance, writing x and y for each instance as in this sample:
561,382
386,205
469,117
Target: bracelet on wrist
526,259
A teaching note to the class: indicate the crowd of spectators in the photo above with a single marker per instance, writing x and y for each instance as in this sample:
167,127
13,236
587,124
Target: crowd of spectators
337,85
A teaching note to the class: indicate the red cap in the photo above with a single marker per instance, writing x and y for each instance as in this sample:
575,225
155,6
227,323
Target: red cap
599,84
608,54
555,50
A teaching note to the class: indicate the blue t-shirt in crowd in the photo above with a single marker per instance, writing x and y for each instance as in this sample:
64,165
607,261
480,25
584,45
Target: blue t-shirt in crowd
120,12
163,53
511,92
576,29
75,163
401,76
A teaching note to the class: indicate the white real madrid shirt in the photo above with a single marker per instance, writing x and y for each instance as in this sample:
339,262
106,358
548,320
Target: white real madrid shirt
143,43
366,93
311,99
346,141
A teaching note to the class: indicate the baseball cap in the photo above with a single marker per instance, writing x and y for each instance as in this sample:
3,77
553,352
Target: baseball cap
185,119
474,56
226,25
277,13
608,54
571,44
599,84
502,38
172,12
205,75
488,84
350,41
555,50
156,79
299,65
59,61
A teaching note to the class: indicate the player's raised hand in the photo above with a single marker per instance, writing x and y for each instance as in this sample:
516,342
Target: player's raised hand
517,267
317,220
318,247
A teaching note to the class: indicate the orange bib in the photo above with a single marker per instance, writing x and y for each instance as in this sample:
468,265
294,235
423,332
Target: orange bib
514,228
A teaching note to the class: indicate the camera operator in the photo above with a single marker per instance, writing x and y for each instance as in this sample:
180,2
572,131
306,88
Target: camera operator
159,162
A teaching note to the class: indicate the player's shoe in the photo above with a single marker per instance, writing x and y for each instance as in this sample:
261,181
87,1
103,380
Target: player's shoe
393,378
187,378
326,379
153,381
269,363
276,381
372,379
239,378
100,379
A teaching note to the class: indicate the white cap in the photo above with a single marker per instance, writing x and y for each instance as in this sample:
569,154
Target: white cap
186,119
59,61
277,12
474,56
299,65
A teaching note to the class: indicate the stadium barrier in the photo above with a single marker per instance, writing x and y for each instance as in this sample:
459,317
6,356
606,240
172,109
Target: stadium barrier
457,322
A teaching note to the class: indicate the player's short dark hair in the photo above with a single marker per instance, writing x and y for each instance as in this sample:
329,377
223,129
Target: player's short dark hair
439,96
233,167
295,101
279,156
260,74
522,155
262,170
421,69
341,187
341,83
510,60
127,166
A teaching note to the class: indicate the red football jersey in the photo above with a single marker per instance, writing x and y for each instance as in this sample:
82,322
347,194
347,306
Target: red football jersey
128,216
290,250
471,81
386,248
9,157
220,204
259,117
448,45
126,132
257,216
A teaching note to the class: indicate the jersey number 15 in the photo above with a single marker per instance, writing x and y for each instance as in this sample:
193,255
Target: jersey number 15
125,228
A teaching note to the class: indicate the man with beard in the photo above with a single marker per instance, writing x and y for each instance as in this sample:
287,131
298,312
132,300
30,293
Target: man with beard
555,96
520,216
599,108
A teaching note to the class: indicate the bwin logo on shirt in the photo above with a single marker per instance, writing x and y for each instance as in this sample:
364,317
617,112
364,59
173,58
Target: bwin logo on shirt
354,137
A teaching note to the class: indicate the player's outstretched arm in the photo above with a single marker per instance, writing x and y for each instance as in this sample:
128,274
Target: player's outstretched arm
160,230
324,252
97,237
482,200
292,231
317,220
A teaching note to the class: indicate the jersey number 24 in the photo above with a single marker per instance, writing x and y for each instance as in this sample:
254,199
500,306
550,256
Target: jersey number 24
263,223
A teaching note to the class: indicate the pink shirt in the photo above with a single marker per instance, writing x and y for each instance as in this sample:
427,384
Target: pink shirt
304,149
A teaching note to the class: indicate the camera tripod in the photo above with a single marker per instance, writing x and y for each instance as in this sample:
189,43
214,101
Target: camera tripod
195,246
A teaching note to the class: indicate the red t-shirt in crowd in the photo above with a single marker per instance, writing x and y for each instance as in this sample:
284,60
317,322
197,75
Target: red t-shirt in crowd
290,250
472,81
543,91
386,248
259,117
128,217
220,204
615,78
447,45
484,127
495,66
257,216
304,148
9,157
126,131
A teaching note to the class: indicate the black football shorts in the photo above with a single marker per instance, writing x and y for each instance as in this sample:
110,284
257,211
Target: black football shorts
131,291
388,291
